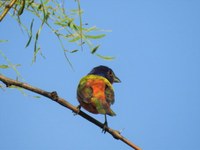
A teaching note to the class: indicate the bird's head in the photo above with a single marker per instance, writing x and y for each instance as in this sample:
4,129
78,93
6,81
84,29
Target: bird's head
106,73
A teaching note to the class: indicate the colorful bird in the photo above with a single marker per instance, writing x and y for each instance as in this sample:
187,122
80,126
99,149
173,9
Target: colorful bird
95,92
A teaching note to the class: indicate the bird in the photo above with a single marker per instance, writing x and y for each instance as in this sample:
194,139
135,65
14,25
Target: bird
95,92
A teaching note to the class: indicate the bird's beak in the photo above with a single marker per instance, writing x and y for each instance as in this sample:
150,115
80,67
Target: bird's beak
116,79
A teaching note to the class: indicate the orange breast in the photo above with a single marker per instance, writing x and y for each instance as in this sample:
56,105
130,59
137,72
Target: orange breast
98,87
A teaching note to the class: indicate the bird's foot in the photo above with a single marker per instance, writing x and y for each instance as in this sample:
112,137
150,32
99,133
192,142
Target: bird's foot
105,127
79,109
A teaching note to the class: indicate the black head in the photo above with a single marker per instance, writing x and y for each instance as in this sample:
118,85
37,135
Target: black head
105,72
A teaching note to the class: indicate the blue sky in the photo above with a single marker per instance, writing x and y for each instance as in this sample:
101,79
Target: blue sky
157,50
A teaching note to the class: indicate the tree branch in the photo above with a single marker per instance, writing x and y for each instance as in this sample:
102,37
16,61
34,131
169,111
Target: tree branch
53,96
7,8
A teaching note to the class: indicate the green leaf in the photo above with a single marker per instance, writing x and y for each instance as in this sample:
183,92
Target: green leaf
4,66
76,11
46,17
39,7
75,39
9,66
45,2
94,49
105,57
3,41
29,3
91,29
36,97
31,34
70,21
74,27
23,2
17,65
95,36
36,50
63,24
73,51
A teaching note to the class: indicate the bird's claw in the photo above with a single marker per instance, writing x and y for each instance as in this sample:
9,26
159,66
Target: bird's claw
105,127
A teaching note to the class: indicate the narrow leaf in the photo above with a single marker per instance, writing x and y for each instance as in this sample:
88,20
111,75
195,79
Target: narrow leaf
31,34
45,16
36,97
30,3
73,26
95,36
70,21
73,51
2,41
4,66
94,49
91,29
63,24
105,57
23,2
15,65
36,49
74,39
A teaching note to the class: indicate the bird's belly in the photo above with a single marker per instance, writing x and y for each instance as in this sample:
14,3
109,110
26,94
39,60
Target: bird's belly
90,108
98,97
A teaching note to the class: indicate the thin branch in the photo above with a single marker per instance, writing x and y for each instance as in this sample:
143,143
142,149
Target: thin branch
7,8
53,96
81,24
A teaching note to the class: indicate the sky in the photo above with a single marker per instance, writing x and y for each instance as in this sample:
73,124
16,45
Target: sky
156,45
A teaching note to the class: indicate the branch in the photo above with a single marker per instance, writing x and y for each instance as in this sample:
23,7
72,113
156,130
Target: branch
7,8
53,96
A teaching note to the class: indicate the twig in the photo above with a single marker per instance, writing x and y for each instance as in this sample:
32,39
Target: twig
53,96
81,24
7,8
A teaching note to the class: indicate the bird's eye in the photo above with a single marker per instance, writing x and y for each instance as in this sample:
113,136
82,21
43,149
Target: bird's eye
110,73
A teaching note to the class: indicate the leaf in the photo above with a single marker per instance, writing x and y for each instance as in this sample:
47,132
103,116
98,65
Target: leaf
31,34
36,97
14,65
73,51
95,36
39,7
75,39
91,29
63,24
45,2
74,27
4,66
46,17
9,66
69,22
3,41
76,11
23,2
36,50
94,49
105,57
17,65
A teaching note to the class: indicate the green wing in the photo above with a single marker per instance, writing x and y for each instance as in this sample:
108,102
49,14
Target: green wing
84,93
109,92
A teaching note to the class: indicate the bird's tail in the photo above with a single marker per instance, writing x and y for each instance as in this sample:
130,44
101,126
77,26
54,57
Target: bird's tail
111,113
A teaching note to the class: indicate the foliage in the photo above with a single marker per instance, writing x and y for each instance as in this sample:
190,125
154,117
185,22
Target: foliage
65,24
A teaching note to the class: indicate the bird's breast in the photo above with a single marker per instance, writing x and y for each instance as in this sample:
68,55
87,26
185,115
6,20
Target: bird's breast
98,87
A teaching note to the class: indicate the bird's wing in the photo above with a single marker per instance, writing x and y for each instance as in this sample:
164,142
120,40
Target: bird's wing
84,93
109,92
